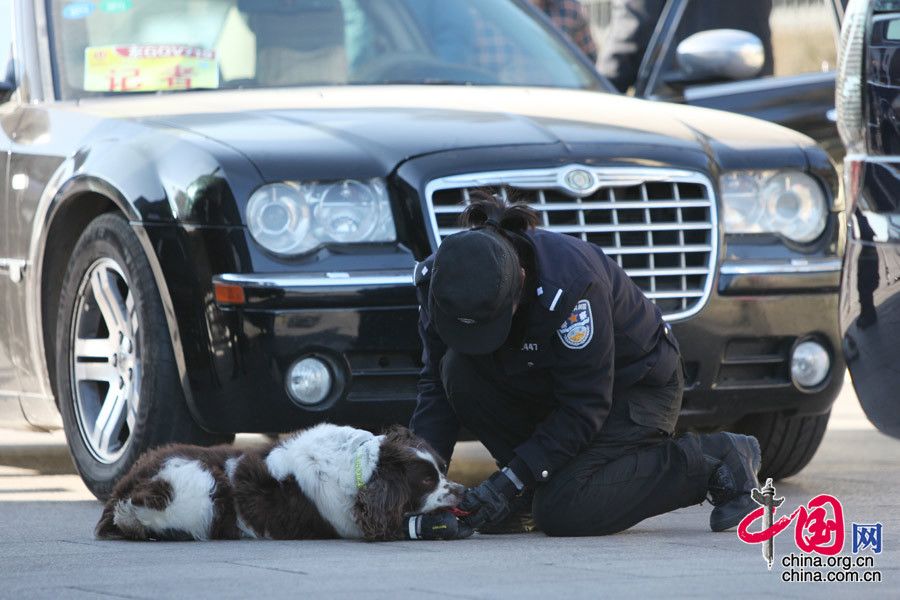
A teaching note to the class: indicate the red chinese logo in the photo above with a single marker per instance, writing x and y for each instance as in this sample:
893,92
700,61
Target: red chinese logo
815,530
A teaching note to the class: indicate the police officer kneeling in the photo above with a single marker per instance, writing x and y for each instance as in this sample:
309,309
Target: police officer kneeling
542,347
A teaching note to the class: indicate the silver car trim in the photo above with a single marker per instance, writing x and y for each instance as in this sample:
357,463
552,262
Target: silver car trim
830,265
885,158
317,280
606,177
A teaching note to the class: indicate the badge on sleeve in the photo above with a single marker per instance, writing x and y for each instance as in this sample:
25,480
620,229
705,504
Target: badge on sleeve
578,329
422,271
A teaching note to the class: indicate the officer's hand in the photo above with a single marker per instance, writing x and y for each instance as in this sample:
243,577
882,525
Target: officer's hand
488,503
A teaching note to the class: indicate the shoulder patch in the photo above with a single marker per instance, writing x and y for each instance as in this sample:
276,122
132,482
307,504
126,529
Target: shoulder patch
422,271
578,329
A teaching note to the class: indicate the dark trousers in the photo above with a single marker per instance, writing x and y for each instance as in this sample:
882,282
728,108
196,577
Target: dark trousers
628,473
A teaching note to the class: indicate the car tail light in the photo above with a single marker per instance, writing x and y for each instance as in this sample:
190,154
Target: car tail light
850,78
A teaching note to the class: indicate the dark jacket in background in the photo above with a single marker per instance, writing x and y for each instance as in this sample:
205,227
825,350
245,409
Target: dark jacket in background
633,22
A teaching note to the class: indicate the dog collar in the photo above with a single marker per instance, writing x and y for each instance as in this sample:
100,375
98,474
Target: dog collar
365,460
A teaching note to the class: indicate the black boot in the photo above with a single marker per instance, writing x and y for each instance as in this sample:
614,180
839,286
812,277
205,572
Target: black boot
520,519
735,460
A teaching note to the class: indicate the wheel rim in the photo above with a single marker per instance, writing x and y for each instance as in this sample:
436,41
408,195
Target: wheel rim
105,367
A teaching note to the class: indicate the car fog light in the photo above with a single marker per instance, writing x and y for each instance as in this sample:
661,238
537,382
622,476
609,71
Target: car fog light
309,381
809,364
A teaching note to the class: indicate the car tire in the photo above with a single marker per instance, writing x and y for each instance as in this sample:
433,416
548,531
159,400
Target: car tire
788,443
117,381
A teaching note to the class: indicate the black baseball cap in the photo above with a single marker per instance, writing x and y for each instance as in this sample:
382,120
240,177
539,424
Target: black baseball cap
475,287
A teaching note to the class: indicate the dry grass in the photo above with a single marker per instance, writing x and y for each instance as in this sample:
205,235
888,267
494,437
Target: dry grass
803,41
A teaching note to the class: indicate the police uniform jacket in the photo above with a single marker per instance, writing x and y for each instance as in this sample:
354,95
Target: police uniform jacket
589,331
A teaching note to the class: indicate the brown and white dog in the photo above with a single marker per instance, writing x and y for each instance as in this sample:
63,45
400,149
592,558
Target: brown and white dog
324,482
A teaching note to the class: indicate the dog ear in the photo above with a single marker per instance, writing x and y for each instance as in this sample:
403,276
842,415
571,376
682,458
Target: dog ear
400,436
382,503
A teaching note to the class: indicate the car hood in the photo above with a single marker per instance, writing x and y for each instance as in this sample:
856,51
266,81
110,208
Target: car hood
321,133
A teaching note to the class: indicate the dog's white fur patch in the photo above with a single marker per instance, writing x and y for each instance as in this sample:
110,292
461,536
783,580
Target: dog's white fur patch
231,466
442,496
322,460
191,508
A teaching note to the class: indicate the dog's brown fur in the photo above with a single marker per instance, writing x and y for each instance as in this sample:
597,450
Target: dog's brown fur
139,486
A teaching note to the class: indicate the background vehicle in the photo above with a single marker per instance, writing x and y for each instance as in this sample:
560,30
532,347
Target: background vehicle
868,93
211,211
799,94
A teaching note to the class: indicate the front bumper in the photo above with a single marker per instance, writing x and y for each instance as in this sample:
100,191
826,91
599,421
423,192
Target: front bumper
736,349
363,325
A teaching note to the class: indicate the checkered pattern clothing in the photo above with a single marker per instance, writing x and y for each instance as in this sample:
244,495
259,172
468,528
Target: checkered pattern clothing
495,53
570,17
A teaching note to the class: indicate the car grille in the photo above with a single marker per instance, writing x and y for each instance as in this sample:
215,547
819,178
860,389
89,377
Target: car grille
658,224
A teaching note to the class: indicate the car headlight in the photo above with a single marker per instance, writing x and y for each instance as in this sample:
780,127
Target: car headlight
290,218
789,203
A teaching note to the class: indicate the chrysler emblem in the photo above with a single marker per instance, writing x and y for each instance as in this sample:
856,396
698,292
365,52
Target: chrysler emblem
579,180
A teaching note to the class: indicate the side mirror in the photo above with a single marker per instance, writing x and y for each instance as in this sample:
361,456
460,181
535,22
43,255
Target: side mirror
720,54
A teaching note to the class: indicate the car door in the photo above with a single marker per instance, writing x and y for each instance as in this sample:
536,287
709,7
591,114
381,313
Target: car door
10,413
800,92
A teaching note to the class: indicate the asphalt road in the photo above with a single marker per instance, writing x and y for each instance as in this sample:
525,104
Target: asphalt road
47,549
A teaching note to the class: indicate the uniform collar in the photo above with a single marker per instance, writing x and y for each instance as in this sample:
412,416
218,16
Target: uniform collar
548,313
553,302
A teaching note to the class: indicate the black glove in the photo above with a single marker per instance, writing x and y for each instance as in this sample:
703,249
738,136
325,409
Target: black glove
488,503
436,526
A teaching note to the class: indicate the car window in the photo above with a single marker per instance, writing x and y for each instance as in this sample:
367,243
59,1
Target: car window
128,46
892,31
6,36
798,36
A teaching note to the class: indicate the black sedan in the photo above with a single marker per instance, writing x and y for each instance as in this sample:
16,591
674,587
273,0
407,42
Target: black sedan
212,209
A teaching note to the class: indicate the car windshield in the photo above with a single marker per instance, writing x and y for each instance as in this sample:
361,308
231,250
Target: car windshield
106,47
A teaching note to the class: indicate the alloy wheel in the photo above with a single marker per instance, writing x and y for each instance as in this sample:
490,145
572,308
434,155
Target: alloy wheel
105,367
